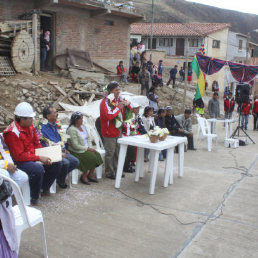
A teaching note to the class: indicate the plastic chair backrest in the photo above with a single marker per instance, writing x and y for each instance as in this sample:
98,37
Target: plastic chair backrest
204,125
93,131
18,196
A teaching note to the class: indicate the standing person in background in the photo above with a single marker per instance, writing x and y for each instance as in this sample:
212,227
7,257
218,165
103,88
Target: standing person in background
214,109
149,124
144,80
182,74
255,112
44,46
121,71
153,99
215,86
134,72
189,76
173,73
160,68
161,123
229,105
245,112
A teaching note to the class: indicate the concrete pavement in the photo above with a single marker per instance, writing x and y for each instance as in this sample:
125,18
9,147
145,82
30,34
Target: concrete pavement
210,212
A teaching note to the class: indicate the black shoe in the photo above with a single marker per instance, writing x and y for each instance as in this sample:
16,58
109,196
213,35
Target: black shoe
93,180
34,202
129,170
113,177
193,149
62,185
83,181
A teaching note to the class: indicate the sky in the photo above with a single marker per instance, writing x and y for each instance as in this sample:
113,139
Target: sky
245,6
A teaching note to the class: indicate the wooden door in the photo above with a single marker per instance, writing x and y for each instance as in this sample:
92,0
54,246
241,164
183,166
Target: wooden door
180,47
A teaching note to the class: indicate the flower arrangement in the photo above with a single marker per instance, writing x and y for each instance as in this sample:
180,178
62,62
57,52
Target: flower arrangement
158,134
119,121
46,141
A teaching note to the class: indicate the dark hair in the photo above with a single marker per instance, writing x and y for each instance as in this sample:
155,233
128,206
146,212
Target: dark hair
160,60
215,94
120,62
75,116
18,118
147,110
152,89
112,85
46,111
161,110
188,111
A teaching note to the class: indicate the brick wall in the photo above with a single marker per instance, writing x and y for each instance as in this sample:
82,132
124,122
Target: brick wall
10,10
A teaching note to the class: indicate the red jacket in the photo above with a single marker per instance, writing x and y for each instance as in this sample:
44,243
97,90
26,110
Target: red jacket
120,70
22,142
255,108
228,108
246,108
107,115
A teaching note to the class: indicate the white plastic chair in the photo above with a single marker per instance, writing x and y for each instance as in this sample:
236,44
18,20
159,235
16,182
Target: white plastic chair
204,129
26,217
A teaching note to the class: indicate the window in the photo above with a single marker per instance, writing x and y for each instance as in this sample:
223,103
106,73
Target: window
108,23
165,42
240,44
216,43
162,42
193,43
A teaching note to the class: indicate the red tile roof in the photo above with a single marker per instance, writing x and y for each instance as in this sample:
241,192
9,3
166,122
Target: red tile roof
177,29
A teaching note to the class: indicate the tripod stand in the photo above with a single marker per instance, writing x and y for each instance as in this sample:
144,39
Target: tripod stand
237,130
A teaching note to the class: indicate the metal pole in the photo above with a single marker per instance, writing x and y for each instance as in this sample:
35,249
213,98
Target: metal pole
35,41
247,47
186,71
152,20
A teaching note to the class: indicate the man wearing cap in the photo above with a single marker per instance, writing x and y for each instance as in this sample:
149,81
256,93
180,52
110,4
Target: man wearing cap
185,122
170,122
108,130
22,140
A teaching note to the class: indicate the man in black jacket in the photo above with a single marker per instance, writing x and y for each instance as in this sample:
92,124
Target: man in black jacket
171,123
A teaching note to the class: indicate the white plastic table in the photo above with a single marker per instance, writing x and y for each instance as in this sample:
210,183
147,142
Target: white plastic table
141,142
228,125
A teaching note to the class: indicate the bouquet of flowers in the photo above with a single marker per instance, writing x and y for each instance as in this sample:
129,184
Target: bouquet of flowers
158,134
46,141
119,121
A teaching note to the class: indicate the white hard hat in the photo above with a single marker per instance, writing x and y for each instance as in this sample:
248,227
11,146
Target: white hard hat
135,105
24,109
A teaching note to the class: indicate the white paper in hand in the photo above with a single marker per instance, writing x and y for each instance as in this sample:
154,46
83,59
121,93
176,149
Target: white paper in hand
52,152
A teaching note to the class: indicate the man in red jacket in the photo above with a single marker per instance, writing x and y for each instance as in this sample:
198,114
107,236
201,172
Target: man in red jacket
255,112
22,140
108,130
229,105
245,112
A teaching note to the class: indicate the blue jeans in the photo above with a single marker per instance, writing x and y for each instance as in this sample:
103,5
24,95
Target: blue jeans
40,177
244,121
43,58
69,163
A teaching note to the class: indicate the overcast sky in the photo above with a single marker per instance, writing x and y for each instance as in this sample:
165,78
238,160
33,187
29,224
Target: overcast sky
245,6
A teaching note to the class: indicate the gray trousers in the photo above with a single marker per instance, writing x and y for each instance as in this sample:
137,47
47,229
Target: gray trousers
111,157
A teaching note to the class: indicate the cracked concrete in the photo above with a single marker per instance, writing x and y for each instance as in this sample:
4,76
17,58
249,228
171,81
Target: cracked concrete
210,212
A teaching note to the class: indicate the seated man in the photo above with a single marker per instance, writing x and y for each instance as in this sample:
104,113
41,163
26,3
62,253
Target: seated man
171,123
22,140
7,164
121,71
184,120
50,131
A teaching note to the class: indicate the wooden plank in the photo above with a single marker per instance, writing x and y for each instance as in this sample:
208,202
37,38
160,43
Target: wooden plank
62,98
91,98
78,100
59,89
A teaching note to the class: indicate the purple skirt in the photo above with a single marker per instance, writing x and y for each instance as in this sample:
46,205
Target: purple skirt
5,251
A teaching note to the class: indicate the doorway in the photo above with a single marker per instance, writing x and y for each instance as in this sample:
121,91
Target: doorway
47,24
153,43
180,47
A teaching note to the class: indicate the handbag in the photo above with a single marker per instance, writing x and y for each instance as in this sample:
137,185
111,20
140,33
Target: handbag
5,190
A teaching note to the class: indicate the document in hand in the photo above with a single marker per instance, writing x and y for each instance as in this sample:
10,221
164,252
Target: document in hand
52,152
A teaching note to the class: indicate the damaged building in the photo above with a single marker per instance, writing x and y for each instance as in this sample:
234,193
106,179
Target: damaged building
100,28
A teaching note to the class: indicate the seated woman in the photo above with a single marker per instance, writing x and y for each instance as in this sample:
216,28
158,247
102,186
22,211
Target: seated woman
80,146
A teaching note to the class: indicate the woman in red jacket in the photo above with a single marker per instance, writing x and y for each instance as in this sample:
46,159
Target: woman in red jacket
121,71
255,112
109,111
